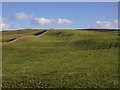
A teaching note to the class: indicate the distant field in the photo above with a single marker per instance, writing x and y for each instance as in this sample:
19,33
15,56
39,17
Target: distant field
60,59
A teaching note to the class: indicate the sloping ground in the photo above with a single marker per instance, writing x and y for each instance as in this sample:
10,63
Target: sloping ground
62,58
12,35
40,33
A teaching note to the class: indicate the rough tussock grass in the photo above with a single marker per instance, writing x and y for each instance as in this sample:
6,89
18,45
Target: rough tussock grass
62,58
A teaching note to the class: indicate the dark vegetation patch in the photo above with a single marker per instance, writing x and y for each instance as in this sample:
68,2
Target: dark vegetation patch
39,33
94,44
12,39
59,33
68,34
118,34
101,30
54,33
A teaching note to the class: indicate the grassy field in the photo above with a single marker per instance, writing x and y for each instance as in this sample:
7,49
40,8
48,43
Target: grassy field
60,59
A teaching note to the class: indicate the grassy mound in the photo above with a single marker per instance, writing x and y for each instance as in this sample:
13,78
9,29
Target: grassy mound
61,58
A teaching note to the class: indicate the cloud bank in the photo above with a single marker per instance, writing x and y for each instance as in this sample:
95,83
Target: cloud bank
45,21
105,24
42,21
20,16
4,26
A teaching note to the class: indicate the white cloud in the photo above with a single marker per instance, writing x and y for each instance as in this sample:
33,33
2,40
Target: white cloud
4,26
64,21
116,21
21,16
105,24
45,21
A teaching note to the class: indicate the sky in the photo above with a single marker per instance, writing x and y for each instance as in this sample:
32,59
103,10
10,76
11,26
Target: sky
60,0
65,15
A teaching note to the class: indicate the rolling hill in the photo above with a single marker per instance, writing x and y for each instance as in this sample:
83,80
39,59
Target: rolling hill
60,59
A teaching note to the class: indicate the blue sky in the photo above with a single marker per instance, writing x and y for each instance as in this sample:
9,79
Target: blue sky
60,0
59,15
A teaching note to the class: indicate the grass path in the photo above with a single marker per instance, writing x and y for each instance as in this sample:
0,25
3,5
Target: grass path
22,37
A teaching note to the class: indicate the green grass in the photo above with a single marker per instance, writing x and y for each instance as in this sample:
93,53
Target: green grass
61,58
7,35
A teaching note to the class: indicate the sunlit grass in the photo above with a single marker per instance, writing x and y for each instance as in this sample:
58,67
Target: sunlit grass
61,58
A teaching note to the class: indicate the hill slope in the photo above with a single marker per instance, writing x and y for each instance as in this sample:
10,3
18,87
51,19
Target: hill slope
61,58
